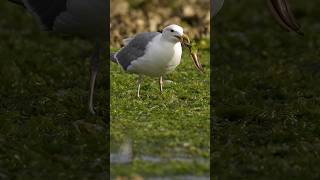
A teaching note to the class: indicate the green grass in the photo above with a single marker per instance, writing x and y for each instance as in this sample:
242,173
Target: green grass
46,131
165,125
266,90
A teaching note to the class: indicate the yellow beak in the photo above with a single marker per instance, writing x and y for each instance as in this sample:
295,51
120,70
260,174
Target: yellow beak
185,39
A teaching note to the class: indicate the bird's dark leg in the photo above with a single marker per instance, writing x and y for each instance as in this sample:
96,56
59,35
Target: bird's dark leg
94,67
161,83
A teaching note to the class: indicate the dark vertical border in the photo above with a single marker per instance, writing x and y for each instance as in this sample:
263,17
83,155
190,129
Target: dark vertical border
211,89
107,111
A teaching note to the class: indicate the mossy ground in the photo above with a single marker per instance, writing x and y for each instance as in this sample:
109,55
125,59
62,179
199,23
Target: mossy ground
46,131
165,125
266,106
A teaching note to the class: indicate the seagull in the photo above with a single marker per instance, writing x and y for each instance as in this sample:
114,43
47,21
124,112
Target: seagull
280,9
85,18
152,53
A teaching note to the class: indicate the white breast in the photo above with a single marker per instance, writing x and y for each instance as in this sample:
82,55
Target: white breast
162,57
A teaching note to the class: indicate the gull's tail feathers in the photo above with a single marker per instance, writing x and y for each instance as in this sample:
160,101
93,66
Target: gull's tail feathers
113,58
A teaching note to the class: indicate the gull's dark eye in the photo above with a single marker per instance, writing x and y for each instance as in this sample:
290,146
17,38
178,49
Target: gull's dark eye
171,30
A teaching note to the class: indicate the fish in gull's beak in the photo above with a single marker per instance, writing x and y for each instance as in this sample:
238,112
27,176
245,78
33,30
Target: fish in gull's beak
184,39
282,13
280,10
196,61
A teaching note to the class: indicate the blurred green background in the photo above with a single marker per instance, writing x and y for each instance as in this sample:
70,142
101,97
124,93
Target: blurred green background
265,92
46,131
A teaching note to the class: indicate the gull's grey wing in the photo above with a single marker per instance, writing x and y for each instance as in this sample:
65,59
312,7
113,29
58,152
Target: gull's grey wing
216,5
134,49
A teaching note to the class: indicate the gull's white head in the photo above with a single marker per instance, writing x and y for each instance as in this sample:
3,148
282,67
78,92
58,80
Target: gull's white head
173,33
